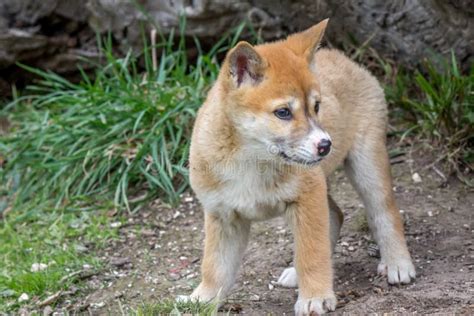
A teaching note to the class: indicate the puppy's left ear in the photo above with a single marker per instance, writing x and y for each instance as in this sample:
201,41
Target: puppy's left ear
246,66
307,42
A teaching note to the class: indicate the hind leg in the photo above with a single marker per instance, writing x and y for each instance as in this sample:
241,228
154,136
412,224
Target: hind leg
368,168
288,277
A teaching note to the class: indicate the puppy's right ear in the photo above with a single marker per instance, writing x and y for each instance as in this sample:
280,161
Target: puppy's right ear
246,66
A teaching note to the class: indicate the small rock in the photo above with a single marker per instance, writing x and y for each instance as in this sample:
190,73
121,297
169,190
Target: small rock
115,224
373,251
98,305
351,248
148,233
416,177
118,262
80,248
174,276
48,310
23,298
270,286
35,267
430,213
255,298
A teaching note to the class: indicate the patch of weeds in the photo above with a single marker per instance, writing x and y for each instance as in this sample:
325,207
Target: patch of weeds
117,134
434,102
46,252
171,307
439,103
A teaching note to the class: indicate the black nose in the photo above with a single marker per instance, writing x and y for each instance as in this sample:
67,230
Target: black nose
324,147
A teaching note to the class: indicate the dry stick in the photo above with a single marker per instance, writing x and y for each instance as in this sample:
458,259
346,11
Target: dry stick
70,275
153,50
121,308
79,272
439,173
50,299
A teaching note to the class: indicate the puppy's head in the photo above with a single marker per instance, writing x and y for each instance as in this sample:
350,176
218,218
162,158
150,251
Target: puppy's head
273,98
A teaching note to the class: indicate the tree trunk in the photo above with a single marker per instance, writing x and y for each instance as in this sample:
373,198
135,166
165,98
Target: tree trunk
51,34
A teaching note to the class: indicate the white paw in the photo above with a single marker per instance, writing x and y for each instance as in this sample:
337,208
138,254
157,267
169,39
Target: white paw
288,278
200,294
316,305
397,271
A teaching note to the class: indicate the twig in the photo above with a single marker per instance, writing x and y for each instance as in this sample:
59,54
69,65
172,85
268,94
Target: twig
439,173
79,272
121,307
50,299
70,275
154,58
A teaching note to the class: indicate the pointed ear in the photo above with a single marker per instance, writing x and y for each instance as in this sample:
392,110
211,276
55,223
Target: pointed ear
246,66
307,42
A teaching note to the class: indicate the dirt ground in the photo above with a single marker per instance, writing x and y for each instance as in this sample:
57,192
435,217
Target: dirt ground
159,251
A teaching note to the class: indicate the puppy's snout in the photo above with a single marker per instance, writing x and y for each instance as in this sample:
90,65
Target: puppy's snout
324,147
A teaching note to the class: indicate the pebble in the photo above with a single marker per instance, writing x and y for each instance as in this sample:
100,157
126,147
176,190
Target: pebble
48,310
255,297
416,177
98,305
23,298
174,276
35,267
115,224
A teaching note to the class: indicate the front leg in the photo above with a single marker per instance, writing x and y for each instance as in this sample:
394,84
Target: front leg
310,219
225,243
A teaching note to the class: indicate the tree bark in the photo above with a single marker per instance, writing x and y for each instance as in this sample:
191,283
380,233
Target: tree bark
52,34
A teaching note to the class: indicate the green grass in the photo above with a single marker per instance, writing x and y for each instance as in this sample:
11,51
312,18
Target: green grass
123,133
63,240
433,104
437,101
171,307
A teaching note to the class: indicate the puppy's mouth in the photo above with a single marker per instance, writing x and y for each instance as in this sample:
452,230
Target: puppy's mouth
299,160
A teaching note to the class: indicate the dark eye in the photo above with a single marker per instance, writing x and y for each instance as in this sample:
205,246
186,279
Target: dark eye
316,107
283,114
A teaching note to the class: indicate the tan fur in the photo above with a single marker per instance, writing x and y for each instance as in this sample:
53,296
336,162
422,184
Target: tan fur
247,164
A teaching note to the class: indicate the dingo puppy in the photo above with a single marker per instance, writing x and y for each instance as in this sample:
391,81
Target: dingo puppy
279,119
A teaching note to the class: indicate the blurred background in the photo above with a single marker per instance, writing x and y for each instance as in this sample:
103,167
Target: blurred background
54,34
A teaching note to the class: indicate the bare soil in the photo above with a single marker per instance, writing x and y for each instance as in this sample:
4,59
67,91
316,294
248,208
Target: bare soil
159,251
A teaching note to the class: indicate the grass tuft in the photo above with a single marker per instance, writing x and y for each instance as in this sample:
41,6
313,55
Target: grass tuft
62,241
438,100
115,135
171,307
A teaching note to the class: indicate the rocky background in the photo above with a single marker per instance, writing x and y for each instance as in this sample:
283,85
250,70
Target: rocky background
55,34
